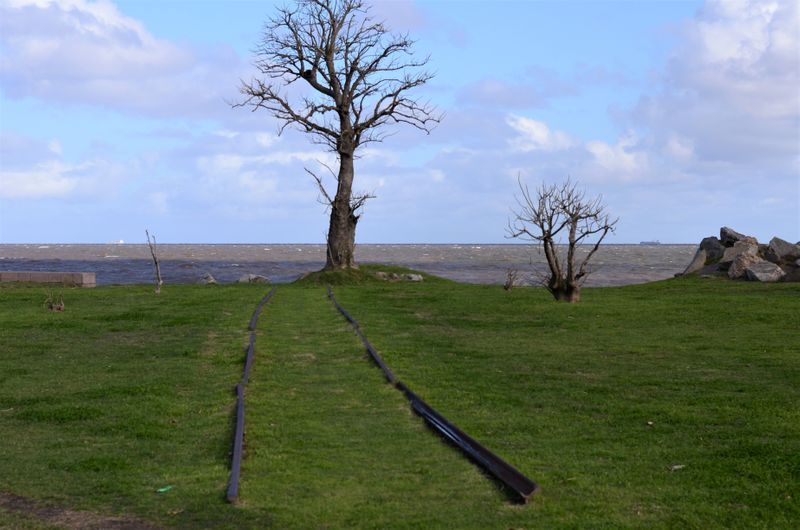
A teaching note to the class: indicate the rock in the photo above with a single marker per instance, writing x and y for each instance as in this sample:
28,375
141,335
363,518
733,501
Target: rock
764,271
793,275
207,279
765,252
728,237
741,263
252,278
394,277
698,262
714,249
738,248
783,249
710,270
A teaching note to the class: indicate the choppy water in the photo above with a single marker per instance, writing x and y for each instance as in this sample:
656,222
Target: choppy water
127,264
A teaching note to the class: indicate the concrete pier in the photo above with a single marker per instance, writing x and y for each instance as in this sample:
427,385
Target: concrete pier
74,279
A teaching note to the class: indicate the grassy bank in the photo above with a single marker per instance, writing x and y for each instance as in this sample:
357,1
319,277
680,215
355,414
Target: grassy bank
675,404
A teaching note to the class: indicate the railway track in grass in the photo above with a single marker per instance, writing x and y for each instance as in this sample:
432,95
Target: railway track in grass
505,473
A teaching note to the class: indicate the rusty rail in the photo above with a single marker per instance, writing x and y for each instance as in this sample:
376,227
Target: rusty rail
507,474
232,494
370,349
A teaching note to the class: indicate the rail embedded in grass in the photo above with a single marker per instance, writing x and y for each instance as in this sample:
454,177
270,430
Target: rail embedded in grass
493,464
232,495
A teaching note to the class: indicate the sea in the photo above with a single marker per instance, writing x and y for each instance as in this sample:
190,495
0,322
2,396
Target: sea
114,263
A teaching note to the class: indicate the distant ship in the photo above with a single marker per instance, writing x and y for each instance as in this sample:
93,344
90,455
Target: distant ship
656,242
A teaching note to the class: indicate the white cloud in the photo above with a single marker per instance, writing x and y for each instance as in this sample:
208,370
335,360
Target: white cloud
266,139
56,178
536,135
622,161
49,179
731,89
89,52
225,133
232,163
55,147
258,187
679,149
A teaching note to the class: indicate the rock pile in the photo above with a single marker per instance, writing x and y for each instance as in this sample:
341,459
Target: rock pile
742,257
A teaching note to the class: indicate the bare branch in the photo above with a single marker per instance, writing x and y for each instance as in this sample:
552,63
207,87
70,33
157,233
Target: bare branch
156,264
350,62
358,200
328,201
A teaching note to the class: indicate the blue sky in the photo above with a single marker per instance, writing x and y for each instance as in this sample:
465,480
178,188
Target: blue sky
685,116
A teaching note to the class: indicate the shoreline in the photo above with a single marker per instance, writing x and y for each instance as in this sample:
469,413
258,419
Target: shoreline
475,264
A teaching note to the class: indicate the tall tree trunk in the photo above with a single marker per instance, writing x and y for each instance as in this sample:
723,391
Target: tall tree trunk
342,228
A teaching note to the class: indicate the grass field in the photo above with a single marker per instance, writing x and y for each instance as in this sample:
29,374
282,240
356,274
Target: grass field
673,404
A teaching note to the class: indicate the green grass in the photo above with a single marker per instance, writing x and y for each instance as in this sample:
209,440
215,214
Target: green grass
126,392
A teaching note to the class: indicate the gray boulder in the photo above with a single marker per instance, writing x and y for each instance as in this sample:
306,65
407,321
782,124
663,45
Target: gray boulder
765,252
207,279
252,278
698,262
741,263
783,249
764,271
713,247
793,275
728,237
738,248
394,277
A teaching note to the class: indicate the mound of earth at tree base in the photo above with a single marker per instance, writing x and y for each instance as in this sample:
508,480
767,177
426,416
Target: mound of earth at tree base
741,257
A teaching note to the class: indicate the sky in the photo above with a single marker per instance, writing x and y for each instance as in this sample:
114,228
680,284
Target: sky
116,117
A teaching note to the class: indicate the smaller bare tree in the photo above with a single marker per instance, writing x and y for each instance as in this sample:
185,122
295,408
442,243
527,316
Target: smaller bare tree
156,264
512,276
554,212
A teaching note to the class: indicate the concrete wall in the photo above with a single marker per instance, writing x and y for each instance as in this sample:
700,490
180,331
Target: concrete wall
80,279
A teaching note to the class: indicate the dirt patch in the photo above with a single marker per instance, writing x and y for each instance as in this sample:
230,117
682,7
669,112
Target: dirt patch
70,519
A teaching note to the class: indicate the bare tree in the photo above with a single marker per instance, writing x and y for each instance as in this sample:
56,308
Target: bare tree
554,212
156,263
357,76
512,277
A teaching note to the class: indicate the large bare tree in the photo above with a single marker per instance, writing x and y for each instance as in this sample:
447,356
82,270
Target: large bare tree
554,212
355,77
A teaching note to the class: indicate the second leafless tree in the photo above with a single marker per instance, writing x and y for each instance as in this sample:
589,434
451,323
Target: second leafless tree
355,78
560,218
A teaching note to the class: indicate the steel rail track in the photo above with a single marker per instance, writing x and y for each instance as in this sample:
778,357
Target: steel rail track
232,493
507,474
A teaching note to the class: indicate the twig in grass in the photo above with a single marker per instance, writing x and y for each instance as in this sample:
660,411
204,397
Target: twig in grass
152,245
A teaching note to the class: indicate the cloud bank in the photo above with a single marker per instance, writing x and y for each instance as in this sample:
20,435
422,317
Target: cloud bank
714,137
